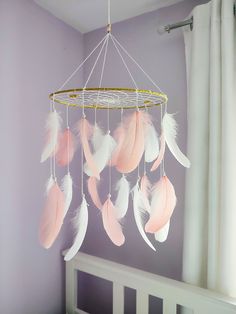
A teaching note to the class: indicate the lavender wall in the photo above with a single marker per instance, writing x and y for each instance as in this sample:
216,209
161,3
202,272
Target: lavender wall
37,53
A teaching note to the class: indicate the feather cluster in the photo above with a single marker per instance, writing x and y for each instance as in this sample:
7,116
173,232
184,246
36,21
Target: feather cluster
135,136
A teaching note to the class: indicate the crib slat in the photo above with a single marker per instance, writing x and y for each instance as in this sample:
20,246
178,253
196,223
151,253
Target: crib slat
118,298
169,306
142,302
71,287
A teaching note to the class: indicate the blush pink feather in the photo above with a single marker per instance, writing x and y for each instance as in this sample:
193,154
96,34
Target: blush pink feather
160,157
145,188
162,205
111,223
52,217
132,147
93,191
66,148
85,130
119,136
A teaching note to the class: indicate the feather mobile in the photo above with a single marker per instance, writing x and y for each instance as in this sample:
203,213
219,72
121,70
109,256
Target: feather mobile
132,147
66,148
93,192
122,199
139,213
80,225
111,223
53,127
162,205
170,132
85,131
52,217
67,189
102,155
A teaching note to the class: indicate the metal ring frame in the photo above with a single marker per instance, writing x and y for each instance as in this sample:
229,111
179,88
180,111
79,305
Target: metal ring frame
109,98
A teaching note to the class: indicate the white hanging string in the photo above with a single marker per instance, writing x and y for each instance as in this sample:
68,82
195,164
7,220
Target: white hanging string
139,66
102,73
54,152
109,11
162,166
82,153
68,139
96,61
125,64
51,158
81,64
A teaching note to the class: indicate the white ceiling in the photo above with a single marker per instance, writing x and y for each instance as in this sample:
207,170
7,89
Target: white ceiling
88,15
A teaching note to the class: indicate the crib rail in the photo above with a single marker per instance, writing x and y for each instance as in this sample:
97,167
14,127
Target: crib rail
172,292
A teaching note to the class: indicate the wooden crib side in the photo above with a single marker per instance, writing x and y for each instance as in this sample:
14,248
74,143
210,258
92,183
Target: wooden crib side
172,292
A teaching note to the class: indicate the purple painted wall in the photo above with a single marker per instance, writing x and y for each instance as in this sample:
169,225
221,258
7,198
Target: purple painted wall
37,53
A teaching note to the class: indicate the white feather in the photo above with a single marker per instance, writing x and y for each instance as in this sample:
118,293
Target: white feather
53,126
49,184
151,143
67,189
170,132
139,212
122,200
103,154
97,137
81,224
162,234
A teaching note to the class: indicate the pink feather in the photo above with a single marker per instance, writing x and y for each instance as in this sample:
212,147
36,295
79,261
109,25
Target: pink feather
52,217
119,136
85,130
132,147
160,157
111,223
145,188
66,148
93,191
162,205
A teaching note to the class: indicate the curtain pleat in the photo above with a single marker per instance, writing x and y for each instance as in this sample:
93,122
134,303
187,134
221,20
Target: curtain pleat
209,255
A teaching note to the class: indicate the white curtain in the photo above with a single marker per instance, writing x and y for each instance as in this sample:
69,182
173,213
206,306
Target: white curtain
209,256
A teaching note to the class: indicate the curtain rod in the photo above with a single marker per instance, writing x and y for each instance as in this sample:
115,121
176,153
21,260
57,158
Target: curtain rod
169,27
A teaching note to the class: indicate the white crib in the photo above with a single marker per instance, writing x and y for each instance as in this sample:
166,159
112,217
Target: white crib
172,292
